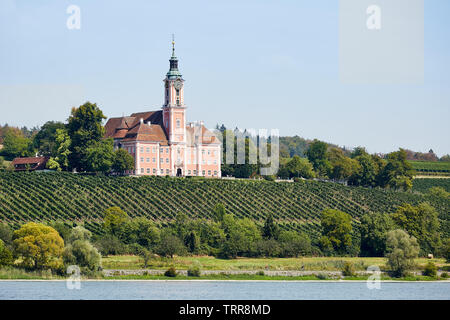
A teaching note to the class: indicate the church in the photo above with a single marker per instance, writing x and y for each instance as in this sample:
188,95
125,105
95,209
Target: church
161,142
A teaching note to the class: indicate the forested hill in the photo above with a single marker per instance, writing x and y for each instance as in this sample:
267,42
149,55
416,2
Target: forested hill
297,205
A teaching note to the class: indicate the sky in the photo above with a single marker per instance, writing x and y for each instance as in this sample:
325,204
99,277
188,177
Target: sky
248,64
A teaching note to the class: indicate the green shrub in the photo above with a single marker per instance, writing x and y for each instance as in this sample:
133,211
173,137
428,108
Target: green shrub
260,273
430,270
348,270
194,271
444,275
171,272
322,276
6,257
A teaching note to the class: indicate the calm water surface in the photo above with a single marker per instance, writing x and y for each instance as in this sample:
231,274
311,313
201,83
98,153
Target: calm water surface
229,290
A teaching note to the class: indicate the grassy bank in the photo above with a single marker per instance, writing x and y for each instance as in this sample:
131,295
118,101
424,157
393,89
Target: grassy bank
256,277
282,264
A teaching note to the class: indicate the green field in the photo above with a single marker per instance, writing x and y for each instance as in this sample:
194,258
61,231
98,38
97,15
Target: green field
46,196
422,185
130,262
431,166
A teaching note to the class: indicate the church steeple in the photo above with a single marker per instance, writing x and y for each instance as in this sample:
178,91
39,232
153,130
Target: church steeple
174,119
173,73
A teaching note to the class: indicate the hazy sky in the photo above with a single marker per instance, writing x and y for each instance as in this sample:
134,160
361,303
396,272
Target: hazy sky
251,64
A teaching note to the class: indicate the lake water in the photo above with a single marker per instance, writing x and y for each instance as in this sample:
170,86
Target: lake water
222,290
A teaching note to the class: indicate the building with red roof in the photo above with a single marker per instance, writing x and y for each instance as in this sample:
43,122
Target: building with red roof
162,142
30,163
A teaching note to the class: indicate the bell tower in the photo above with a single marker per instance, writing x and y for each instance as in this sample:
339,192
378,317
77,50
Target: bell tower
174,117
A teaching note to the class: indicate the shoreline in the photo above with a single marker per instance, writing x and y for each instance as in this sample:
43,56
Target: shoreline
221,280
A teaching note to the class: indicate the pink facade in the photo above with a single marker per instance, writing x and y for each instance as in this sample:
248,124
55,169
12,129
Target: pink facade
162,142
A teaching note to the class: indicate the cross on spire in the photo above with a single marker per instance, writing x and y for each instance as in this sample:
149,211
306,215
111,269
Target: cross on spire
173,45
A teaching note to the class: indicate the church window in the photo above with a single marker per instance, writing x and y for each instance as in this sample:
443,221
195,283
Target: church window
162,160
209,172
167,150
154,160
162,171
142,149
215,173
203,172
154,171
167,171
167,160
154,150
148,150
142,159
142,170
195,172
148,159
148,170
178,123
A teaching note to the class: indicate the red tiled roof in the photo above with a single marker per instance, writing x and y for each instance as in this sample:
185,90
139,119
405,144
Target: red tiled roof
136,127
35,163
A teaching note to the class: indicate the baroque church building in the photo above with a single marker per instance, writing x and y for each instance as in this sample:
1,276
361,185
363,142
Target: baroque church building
162,142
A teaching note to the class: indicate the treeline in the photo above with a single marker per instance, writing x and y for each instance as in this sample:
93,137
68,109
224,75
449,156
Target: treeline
77,145
358,169
58,244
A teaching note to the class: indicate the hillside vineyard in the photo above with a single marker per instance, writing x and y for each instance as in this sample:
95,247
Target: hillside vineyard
296,206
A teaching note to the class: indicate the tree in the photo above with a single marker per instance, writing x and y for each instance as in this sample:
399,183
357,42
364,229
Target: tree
16,145
402,250
115,221
6,234
170,245
446,250
100,156
141,231
317,155
337,229
45,140
79,233
83,254
192,242
365,174
422,223
109,244
241,236
270,229
342,167
374,228
297,167
39,246
84,128
358,152
62,153
219,212
6,257
64,229
294,244
398,172
122,161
